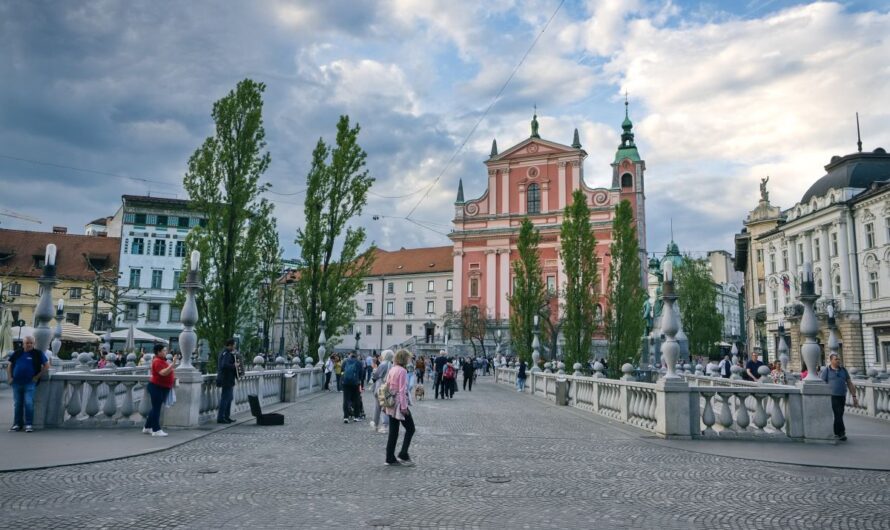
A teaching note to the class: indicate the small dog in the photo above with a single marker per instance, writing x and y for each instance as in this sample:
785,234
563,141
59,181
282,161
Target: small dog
419,392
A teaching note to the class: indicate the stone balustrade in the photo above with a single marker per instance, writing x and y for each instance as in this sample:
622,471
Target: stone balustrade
117,397
874,400
709,408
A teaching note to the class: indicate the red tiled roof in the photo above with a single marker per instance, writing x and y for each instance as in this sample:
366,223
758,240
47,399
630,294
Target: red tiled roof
413,261
18,248
406,261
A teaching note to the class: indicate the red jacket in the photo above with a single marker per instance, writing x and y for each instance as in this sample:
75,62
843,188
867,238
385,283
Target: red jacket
158,364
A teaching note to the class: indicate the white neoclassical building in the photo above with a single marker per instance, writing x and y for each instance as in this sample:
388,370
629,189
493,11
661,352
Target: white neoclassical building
842,226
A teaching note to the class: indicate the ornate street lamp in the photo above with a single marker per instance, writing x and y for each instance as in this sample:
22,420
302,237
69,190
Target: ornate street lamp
188,339
44,310
670,350
783,347
57,333
322,340
809,325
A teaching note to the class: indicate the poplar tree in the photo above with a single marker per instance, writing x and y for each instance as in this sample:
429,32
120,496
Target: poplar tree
697,293
578,245
337,192
624,323
529,292
223,183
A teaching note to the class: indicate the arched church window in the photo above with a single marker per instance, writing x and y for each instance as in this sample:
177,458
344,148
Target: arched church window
474,287
533,199
627,180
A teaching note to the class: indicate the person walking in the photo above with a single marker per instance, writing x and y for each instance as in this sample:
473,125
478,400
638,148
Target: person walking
25,368
379,377
353,375
439,365
225,379
469,370
419,369
399,414
520,377
839,381
449,379
159,385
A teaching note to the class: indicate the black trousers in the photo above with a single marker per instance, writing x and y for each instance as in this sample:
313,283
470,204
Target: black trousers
352,406
327,381
419,374
468,377
408,423
440,387
837,407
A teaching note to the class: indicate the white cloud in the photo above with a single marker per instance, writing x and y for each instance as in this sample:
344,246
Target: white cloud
355,82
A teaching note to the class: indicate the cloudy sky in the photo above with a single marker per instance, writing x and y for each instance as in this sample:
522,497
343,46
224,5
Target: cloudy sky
103,98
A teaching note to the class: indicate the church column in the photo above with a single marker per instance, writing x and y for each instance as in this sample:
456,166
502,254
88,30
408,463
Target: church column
792,263
808,246
522,198
845,257
492,192
825,261
561,186
505,191
503,304
458,280
560,271
545,197
490,279
576,175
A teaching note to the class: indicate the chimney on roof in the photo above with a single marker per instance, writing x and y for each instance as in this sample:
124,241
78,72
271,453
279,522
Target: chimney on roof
60,230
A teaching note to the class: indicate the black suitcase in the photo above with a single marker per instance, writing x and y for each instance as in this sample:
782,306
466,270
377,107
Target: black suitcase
263,419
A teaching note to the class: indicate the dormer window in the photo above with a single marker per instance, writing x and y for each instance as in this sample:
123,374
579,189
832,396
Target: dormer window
38,262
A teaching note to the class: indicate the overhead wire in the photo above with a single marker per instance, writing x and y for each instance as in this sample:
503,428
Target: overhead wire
487,109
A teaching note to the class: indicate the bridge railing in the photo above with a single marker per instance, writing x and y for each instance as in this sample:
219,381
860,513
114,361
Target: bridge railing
118,397
709,408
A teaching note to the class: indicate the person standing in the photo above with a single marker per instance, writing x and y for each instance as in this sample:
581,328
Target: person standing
25,368
439,365
725,367
338,371
369,367
225,379
520,377
399,414
839,381
751,369
353,375
328,370
159,385
419,369
469,370
378,377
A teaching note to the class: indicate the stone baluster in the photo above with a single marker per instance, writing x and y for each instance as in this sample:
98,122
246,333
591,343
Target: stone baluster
741,412
628,370
783,347
699,369
598,370
736,372
760,418
127,407
110,408
707,415
577,370
725,417
765,379
74,404
92,407
777,418
809,326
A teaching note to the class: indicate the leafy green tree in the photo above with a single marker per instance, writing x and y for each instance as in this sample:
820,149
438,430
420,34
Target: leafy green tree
338,185
578,245
529,292
624,325
702,323
223,183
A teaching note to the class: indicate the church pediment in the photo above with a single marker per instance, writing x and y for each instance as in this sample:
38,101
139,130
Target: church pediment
534,147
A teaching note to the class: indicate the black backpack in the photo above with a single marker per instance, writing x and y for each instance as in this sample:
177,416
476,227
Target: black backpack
35,360
352,373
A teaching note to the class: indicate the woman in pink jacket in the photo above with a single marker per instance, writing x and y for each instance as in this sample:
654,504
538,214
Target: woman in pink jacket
397,379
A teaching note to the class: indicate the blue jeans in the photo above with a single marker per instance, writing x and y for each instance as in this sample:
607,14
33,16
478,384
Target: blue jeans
23,395
520,384
158,395
226,394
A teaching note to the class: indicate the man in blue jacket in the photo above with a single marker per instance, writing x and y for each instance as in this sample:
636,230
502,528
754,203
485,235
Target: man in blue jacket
225,379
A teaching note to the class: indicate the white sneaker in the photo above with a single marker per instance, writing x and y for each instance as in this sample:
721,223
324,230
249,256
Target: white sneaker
159,433
146,430
373,425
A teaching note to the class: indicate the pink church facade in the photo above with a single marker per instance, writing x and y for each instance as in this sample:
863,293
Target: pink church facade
536,178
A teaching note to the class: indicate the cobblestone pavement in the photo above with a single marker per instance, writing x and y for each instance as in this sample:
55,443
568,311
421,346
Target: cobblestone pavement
487,459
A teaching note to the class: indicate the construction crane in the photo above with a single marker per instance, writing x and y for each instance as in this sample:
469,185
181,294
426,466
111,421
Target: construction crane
17,215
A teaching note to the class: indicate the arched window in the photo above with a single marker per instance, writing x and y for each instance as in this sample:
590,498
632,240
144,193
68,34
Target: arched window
837,285
533,199
627,180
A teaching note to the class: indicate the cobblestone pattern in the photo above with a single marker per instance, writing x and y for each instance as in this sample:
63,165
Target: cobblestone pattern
487,459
